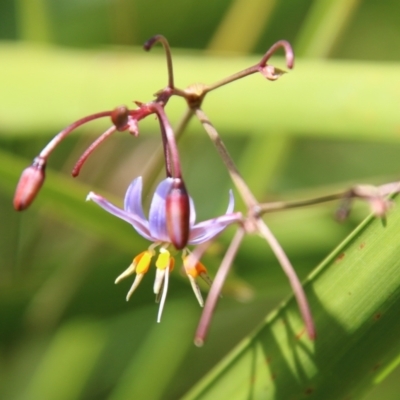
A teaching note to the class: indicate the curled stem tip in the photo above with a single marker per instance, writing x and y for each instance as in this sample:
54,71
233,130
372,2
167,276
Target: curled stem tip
289,54
161,39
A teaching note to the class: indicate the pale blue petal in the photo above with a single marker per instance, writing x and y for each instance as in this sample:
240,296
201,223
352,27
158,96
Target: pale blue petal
207,230
157,214
133,198
231,203
140,224
192,218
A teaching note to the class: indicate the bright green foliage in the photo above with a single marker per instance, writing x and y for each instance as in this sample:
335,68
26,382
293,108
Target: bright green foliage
66,331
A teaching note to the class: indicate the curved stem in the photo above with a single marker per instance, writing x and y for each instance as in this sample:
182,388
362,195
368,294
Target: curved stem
65,132
289,55
256,68
291,274
170,143
161,39
238,180
90,149
154,165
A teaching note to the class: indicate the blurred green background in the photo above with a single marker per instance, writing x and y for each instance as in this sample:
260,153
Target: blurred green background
66,331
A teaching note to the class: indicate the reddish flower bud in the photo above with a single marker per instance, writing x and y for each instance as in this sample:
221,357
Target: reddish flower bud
119,117
178,214
29,184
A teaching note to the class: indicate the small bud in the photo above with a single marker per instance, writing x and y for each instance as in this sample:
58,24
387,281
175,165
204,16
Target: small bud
119,117
271,73
342,213
344,208
29,184
178,214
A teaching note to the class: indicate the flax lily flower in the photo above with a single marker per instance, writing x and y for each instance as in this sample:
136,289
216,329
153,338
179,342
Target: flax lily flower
155,230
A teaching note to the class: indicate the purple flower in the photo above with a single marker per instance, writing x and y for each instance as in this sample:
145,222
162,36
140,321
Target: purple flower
154,229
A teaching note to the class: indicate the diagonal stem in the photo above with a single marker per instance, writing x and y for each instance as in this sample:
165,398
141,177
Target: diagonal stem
257,224
291,274
238,180
216,288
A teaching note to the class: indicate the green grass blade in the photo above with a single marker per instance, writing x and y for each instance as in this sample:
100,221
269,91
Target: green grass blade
355,299
323,26
233,33
75,349
344,99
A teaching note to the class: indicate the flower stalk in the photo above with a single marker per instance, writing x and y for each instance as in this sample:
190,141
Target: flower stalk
171,225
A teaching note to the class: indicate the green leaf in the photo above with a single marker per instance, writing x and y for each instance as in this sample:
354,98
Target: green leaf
355,299
75,348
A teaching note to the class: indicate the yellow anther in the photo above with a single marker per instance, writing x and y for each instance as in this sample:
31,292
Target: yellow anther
164,259
142,261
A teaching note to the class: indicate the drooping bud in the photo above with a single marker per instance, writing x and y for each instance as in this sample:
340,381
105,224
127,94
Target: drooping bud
29,184
119,117
178,214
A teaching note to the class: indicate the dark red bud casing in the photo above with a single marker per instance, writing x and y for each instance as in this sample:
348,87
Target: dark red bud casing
178,214
29,184
119,117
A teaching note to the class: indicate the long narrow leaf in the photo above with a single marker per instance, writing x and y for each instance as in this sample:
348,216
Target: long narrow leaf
355,299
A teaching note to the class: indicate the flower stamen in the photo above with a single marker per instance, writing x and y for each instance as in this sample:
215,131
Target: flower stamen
140,265
164,294
193,272
163,261
196,290
135,284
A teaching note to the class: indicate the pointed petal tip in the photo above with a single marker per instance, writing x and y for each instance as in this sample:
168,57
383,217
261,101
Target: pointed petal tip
89,196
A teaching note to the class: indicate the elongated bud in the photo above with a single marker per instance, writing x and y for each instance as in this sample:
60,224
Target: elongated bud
29,184
178,214
119,117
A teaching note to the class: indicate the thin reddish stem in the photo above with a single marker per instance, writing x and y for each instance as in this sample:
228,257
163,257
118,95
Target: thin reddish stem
216,288
256,68
90,149
291,275
161,39
65,132
170,142
289,55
